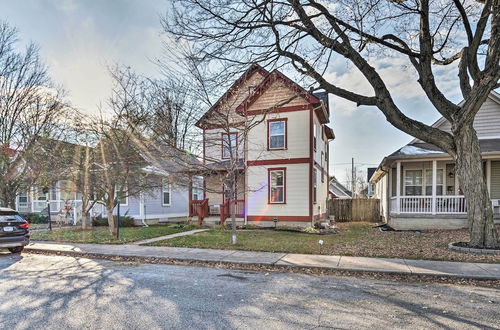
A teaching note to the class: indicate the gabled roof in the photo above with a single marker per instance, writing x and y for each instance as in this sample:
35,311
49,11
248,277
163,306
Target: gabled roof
271,78
253,68
494,96
337,189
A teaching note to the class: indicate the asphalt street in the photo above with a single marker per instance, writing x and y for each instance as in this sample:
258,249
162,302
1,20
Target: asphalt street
55,292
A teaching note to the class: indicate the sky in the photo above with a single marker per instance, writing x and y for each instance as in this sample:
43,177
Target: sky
79,39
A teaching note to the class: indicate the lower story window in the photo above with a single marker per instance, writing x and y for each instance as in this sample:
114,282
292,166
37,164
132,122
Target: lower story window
166,192
277,185
315,186
413,182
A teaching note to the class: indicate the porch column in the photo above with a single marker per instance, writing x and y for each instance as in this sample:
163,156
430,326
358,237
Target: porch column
434,184
488,175
398,187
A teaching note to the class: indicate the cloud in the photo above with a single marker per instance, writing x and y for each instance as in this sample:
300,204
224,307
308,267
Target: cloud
398,75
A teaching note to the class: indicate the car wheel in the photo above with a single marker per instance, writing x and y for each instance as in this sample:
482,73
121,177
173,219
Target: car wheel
17,249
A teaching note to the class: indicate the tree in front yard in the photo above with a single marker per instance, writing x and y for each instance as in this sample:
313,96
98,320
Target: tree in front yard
310,35
33,119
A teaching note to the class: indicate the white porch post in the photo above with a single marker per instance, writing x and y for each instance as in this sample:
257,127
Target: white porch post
488,175
398,187
434,184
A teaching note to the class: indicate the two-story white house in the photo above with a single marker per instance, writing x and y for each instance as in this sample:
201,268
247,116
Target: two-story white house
417,184
276,134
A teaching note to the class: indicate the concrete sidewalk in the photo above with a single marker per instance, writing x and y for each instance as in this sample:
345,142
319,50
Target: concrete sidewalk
361,264
161,238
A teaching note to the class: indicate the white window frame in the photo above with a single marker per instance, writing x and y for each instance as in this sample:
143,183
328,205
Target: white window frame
429,184
315,133
421,185
117,188
165,181
270,134
283,186
19,201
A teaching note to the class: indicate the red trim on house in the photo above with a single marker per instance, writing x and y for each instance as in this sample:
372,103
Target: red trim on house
286,134
279,110
224,126
222,143
281,161
269,170
251,70
258,218
204,155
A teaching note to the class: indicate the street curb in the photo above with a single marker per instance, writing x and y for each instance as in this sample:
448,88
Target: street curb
266,266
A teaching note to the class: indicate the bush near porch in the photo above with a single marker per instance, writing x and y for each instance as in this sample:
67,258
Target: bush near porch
101,235
354,239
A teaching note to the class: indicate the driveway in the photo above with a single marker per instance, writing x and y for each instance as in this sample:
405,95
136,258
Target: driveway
73,293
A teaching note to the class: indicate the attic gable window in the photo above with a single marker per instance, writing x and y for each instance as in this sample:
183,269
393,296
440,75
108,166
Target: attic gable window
276,134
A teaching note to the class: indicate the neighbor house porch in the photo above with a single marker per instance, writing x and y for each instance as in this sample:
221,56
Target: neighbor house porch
430,187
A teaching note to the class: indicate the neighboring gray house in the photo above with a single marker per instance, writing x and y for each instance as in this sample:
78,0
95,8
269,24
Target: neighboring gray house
417,185
170,202
337,190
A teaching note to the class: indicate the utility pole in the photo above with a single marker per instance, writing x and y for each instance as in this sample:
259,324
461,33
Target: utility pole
353,179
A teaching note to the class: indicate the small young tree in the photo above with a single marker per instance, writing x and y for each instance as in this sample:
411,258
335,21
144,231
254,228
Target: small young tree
310,35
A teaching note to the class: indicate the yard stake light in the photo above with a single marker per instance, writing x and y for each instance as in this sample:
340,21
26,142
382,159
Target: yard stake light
275,222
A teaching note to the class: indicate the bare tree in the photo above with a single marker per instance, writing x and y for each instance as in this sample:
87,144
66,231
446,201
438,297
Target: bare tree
32,117
309,35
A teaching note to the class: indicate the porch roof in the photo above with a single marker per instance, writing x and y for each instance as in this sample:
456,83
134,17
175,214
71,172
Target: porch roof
417,150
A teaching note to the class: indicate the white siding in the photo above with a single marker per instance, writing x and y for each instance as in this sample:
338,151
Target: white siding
297,137
297,192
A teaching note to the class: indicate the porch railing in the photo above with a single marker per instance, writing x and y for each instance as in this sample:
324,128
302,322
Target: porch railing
451,205
225,210
427,205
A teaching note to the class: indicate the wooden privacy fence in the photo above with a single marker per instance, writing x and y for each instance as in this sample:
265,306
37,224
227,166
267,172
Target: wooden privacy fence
358,209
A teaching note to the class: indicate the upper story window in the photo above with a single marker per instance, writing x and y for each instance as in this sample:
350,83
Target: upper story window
276,129
229,144
315,136
277,185
165,192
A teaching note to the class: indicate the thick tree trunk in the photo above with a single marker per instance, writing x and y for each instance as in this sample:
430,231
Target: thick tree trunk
113,228
85,218
472,181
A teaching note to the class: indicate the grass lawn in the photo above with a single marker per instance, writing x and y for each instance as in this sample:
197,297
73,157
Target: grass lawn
353,239
101,234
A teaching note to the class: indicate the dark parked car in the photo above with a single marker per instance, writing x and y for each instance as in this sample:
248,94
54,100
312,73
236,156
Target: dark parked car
14,230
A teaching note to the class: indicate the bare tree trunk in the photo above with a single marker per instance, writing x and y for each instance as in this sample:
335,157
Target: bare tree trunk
85,217
113,230
232,210
471,177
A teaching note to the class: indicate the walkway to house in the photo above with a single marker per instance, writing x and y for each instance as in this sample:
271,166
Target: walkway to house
161,238
342,263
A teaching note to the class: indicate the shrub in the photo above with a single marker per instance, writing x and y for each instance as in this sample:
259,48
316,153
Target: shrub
125,221
35,218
